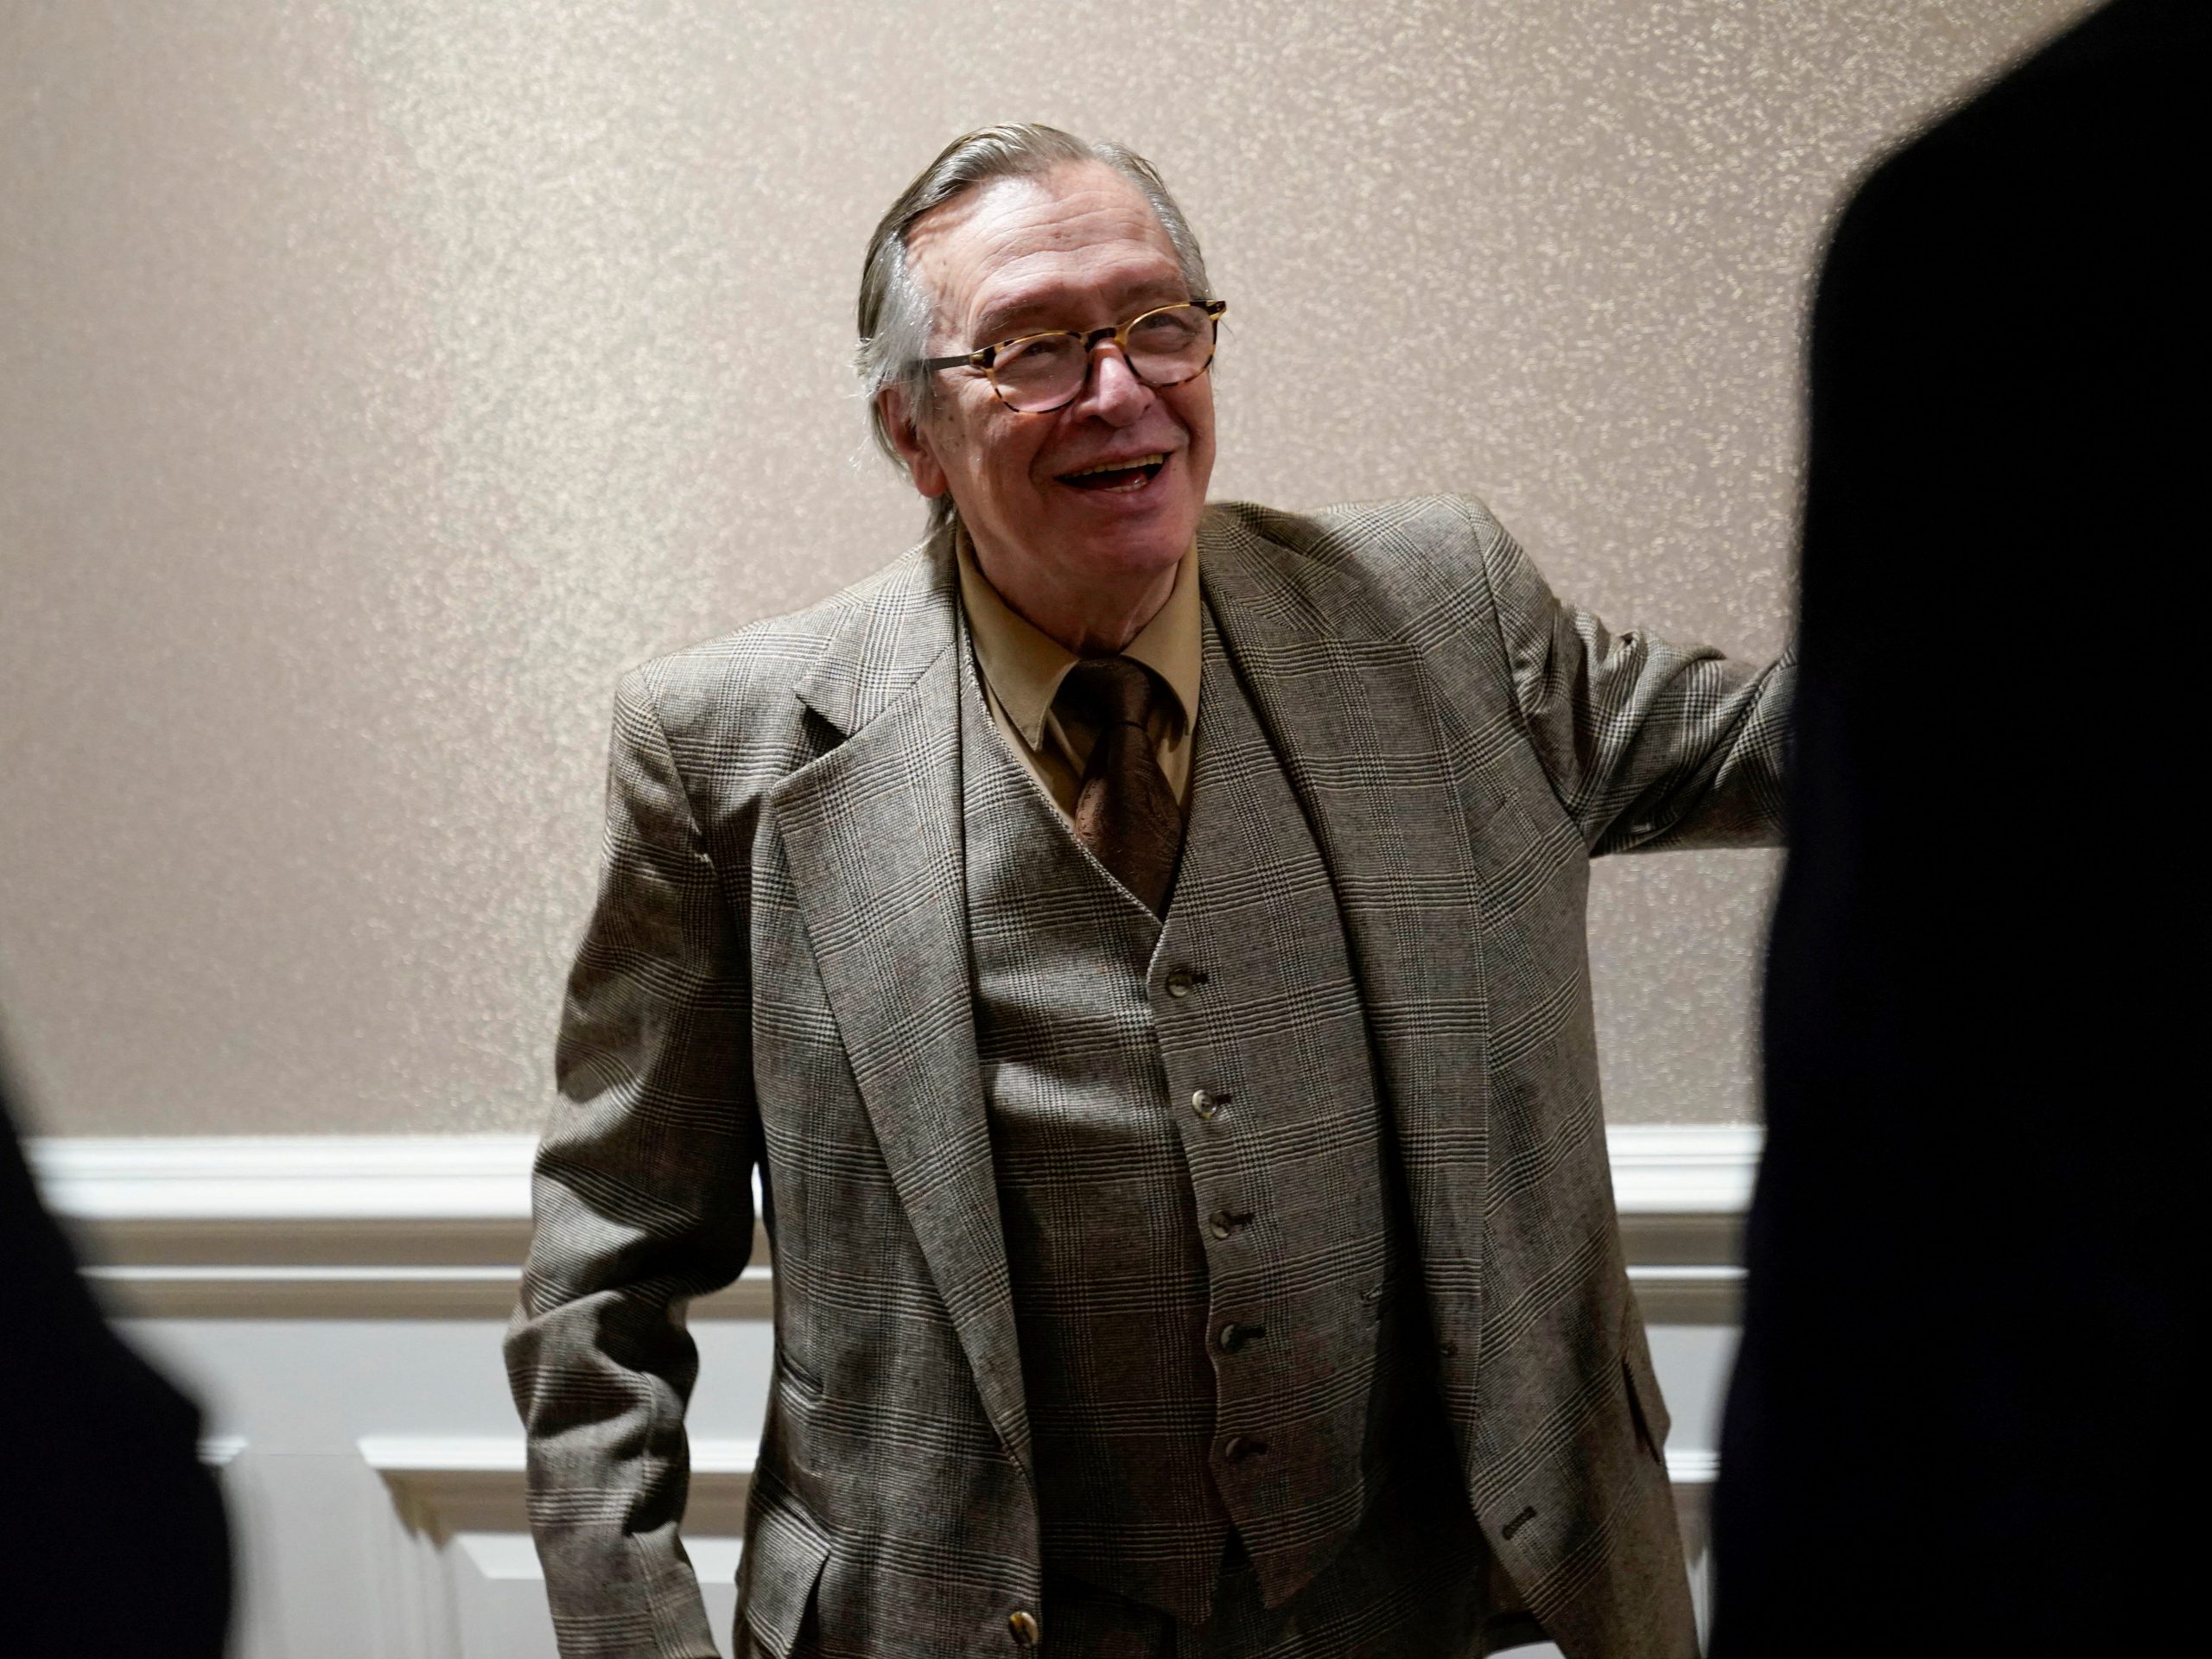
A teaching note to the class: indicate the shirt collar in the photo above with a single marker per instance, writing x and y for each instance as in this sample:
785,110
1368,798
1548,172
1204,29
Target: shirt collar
1024,665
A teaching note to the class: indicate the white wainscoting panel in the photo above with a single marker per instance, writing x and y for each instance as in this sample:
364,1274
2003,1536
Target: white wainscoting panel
337,1305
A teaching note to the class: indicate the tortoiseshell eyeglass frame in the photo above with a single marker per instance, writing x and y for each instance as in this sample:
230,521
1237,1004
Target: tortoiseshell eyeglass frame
980,360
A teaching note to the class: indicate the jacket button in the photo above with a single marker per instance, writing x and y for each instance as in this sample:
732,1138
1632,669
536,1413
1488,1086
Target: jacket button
1204,1104
1023,1624
1232,1335
1237,1447
1224,1222
1180,982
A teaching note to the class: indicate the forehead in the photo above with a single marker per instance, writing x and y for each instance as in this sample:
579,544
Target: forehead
1013,248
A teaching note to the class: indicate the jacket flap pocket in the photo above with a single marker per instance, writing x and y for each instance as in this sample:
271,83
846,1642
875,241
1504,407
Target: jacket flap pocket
785,1550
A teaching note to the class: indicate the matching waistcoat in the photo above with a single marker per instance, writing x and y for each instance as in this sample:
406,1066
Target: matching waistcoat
1210,1273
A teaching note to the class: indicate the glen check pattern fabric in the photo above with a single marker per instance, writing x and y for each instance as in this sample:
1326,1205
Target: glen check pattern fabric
1207,1303
1108,1274
1409,1585
1290,1162
775,971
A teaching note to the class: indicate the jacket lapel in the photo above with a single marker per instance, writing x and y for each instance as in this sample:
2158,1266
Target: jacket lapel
872,831
1345,699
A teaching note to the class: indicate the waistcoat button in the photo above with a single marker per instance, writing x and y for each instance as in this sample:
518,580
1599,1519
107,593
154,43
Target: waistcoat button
1204,1104
1233,1336
1238,1447
1179,983
1224,1222
1023,1624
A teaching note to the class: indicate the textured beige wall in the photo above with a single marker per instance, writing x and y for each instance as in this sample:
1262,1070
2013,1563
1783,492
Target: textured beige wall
377,380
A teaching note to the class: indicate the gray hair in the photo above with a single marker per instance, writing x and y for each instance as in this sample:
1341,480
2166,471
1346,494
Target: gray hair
895,314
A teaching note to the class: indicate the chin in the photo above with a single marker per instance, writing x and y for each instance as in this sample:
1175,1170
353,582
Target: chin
1141,537
1134,551
1134,528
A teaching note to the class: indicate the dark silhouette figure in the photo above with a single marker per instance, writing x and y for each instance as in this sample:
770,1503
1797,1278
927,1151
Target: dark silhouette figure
1957,1424
113,1539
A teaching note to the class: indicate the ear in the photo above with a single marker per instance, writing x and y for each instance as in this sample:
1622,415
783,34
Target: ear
915,444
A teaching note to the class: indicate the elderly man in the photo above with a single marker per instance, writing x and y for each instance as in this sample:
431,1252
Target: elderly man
1141,945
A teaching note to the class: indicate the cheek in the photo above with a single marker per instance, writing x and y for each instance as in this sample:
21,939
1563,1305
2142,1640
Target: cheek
1013,456
962,429
1197,416
990,453
1193,407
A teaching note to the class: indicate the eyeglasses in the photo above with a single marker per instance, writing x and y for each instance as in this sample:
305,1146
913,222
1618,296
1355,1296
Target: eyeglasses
1039,374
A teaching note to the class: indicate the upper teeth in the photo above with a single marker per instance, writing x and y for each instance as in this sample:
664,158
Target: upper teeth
1119,466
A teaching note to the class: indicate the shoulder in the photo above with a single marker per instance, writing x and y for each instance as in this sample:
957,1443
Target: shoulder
737,714
1366,533
1405,557
750,676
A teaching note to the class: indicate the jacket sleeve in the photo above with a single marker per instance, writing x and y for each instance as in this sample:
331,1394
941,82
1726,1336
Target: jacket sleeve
642,1197
1647,746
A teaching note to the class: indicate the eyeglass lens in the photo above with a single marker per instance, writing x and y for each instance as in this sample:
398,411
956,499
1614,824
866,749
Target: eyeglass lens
1166,347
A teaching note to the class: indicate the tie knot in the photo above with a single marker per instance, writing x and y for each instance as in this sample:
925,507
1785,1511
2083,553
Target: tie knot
1111,691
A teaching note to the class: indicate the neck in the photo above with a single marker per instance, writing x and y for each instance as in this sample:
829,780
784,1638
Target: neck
1091,620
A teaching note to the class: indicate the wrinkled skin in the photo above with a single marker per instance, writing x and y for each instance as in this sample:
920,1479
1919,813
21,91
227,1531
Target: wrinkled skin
1078,249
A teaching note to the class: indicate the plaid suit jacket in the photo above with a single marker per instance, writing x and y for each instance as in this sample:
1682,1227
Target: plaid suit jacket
776,972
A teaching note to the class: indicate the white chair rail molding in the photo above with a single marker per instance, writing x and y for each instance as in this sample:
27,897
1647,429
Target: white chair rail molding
336,1303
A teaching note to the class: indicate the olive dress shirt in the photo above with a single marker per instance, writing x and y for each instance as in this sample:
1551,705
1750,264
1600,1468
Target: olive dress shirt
1022,668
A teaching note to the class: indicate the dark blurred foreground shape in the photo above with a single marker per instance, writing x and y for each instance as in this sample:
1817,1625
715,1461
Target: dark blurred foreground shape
112,1538
1958,1424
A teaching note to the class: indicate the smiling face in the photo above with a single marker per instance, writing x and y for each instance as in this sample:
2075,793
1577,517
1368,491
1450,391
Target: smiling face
1078,249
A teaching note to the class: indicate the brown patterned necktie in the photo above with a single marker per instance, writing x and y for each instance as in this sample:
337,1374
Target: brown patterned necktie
1124,811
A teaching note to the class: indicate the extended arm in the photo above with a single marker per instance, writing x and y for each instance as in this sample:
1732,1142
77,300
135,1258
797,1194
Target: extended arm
1648,744
643,1200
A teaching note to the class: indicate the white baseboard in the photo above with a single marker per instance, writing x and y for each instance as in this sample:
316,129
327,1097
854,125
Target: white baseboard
221,1451
452,1487
1678,1169
381,1291
436,1226
1692,1468
468,1489
287,1177
427,1462
1658,1169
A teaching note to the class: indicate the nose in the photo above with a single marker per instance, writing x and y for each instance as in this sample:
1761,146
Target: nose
1113,392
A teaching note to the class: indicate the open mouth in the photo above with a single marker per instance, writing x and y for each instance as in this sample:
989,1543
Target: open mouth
1116,476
